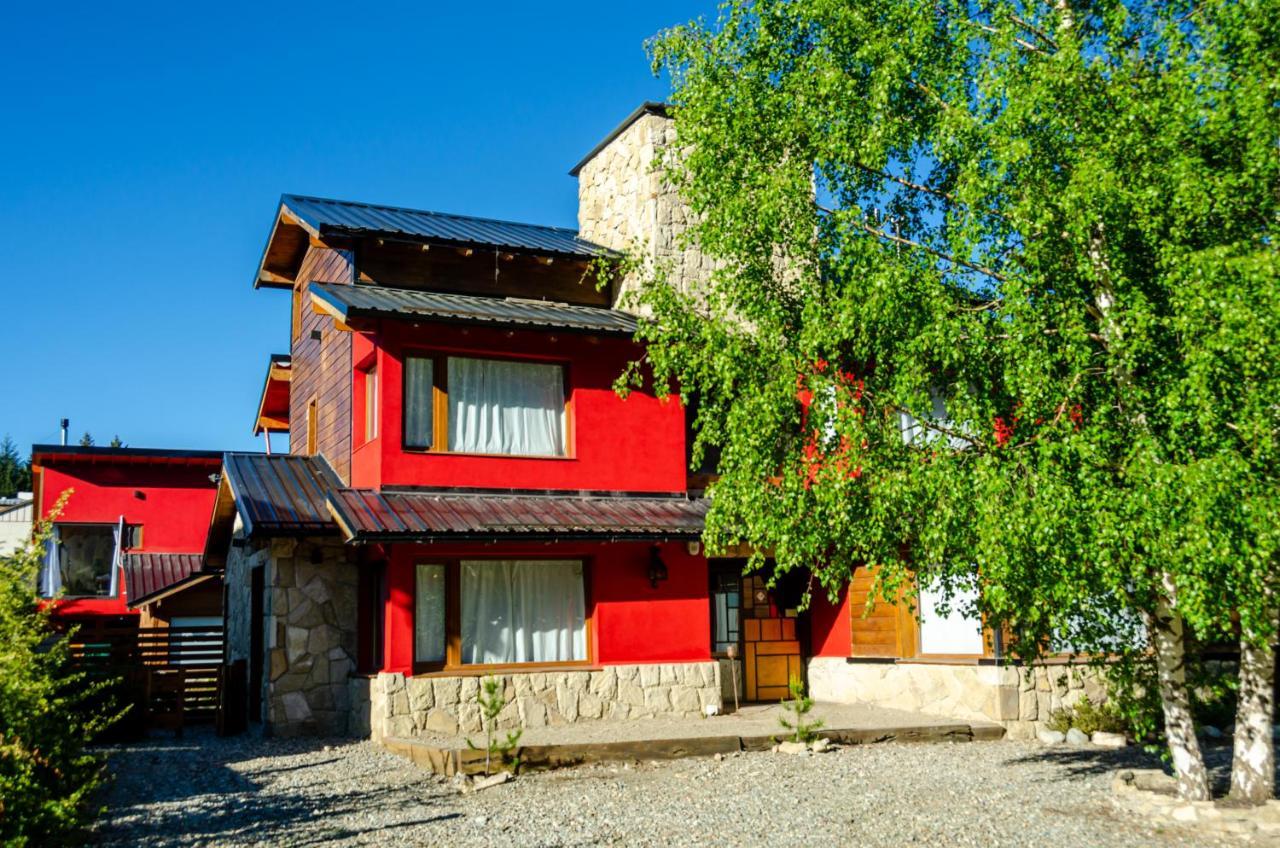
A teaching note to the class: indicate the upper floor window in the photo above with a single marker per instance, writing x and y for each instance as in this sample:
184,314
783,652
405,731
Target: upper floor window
490,406
81,561
371,403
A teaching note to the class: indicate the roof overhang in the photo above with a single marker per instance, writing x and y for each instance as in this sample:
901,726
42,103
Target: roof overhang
273,406
367,516
80,455
346,304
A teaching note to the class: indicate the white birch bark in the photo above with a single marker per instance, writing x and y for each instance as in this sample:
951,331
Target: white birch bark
1253,763
1169,638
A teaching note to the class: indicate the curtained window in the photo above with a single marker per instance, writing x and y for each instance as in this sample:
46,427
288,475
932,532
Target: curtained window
418,418
485,612
487,406
429,614
81,561
949,623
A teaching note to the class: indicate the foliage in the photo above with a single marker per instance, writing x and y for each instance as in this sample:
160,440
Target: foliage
493,701
1088,718
994,293
116,442
47,772
15,473
798,707
86,441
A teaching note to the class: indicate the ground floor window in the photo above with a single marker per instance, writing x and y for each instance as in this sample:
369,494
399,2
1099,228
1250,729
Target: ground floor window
495,612
949,624
726,606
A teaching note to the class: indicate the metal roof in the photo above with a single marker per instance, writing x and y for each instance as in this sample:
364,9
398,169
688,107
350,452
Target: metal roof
147,574
344,217
356,301
281,493
47,452
367,515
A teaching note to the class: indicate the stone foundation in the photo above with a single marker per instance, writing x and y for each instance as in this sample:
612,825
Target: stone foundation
403,707
1019,698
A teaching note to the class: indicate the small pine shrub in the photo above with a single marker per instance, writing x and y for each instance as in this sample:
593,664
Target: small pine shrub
1088,718
799,706
492,702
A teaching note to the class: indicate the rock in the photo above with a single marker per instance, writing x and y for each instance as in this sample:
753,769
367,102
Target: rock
820,745
1076,736
1103,739
491,781
1184,813
711,710
1211,732
1051,737
719,757
792,748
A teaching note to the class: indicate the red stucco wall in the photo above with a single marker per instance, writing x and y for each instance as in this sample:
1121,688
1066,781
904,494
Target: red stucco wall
636,444
632,622
173,504
829,633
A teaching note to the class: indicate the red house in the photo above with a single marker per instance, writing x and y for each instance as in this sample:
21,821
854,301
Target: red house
127,545
466,496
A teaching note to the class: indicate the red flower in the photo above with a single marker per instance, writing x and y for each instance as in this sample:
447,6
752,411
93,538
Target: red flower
1003,432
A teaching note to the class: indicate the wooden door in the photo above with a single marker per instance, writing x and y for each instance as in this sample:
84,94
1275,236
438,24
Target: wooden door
771,651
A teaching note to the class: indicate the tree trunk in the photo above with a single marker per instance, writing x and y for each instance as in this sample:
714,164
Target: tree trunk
1169,638
1253,764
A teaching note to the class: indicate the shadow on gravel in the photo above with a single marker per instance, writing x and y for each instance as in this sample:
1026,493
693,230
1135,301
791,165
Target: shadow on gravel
170,791
1086,762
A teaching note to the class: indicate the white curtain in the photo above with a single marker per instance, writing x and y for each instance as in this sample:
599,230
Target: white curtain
502,407
516,611
51,572
417,401
117,559
428,627
957,632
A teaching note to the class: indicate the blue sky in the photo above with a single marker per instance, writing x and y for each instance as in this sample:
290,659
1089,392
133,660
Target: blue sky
145,148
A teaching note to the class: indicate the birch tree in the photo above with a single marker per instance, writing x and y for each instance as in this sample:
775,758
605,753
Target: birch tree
996,296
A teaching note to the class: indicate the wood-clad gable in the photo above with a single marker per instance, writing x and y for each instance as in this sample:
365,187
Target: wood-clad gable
321,365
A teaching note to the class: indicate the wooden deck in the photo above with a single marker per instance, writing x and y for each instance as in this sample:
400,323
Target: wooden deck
753,728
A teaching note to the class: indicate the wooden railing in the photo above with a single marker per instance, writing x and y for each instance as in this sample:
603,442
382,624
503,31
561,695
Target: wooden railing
172,675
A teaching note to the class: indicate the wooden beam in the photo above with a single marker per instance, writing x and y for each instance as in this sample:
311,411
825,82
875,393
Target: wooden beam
546,260
466,251
321,308
271,278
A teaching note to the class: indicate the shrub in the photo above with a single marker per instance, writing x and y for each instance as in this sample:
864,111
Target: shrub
47,772
1088,718
798,707
492,701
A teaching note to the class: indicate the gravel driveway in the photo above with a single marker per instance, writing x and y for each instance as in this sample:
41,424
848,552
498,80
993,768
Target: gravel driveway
203,790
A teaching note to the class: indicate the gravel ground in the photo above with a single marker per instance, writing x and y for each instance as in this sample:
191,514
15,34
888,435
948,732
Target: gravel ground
203,790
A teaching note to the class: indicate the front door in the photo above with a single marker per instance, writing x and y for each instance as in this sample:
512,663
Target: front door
771,649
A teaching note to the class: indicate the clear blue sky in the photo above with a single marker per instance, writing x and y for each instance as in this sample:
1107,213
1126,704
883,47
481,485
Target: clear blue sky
145,147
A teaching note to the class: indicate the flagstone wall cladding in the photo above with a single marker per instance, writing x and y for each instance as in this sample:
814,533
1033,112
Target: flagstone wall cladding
404,707
1019,698
626,204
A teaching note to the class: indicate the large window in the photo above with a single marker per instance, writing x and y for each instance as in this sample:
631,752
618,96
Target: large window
491,406
81,561
497,612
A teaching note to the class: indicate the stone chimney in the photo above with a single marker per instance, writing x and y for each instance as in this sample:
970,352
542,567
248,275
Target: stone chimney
626,204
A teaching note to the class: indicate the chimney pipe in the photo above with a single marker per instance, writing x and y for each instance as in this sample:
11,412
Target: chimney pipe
66,422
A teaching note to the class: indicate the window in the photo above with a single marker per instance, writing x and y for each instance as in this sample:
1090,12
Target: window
495,612
312,424
371,403
726,604
81,561
958,631
489,406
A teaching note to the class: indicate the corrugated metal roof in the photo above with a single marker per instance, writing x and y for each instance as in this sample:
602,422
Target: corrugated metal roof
343,217
368,515
375,301
146,574
281,493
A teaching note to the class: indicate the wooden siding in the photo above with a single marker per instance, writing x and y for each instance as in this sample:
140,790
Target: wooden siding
322,368
887,631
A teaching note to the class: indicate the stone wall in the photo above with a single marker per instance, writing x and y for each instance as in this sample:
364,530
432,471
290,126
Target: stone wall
1020,698
311,636
625,203
403,707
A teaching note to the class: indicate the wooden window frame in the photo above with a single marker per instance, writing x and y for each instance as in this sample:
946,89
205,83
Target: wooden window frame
714,571
313,427
370,386
440,403
453,665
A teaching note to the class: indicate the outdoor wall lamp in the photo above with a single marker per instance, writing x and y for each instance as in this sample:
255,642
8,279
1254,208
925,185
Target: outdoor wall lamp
694,548
657,568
